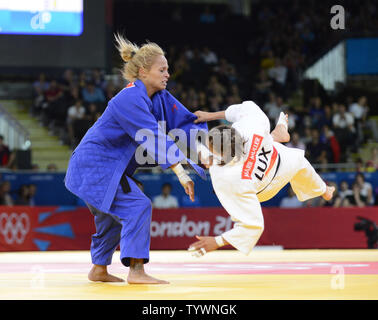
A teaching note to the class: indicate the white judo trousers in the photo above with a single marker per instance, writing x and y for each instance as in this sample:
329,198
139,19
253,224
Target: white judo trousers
268,166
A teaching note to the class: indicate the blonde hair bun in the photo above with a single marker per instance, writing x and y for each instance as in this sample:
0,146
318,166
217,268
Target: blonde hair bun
136,57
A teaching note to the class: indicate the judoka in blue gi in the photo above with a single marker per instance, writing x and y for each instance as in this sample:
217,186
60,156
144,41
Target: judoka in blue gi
101,166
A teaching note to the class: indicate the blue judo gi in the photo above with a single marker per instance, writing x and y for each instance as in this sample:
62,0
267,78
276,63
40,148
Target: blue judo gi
106,155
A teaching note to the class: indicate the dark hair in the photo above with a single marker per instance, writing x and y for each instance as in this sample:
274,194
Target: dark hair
166,184
227,142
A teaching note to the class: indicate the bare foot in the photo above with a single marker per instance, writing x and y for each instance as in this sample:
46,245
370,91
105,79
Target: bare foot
280,133
143,278
329,193
100,273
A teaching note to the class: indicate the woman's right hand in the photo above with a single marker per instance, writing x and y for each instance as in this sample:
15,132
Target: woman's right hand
202,116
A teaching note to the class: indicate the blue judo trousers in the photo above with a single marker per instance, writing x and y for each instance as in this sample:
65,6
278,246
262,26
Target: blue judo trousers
106,157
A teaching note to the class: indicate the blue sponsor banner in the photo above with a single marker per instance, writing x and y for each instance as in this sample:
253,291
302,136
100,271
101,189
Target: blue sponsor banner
362,56
52,192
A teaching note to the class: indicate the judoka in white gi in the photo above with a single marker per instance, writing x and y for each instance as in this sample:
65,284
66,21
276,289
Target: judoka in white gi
248,165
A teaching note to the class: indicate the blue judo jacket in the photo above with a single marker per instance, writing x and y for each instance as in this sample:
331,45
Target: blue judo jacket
108,149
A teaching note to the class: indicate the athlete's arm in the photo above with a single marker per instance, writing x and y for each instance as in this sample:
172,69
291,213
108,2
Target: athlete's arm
203,116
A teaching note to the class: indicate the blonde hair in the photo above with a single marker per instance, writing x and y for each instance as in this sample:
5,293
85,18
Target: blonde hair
136,57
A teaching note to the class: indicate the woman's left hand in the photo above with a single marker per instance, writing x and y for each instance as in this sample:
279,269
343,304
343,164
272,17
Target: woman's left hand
204,245
189,190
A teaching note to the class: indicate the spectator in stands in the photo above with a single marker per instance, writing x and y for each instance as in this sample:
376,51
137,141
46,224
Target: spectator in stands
4,153
316,152
263,87
360,112
52,104
23,196
207,16
316,111
32,193
326,118
165,200
52,167
290,201
68,80
329,139
274,110
92,113
346,194
209,57
5,197
372,163
215,88
41,85
268,60
91,93
360,166
363,191
35,167
75,112
343,123
295,142
278,74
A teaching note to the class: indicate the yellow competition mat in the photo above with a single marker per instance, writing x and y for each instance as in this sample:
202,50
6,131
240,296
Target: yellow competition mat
219,275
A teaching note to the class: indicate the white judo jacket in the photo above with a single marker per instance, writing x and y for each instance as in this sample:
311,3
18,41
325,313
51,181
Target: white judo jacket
265,169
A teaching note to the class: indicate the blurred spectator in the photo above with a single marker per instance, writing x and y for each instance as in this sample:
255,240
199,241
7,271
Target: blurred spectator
77,111
295,142
263,87
316,151
330,140
23,196
360,112
92,114
363,191
343,123
165,200
207,16
316,111
52,167
35,167
291,200
360,166
4,153
268,60
91,93
279,72
32,192
209,57
372,163
5,197
41,85
326,118
346,194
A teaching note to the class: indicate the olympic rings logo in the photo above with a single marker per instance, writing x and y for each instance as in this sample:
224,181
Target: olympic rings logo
14,227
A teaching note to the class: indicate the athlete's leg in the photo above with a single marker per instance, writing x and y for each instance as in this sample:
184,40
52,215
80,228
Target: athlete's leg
134,211
308,184
104,243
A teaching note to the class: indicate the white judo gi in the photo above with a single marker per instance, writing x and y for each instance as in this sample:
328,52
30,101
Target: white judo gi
264,170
